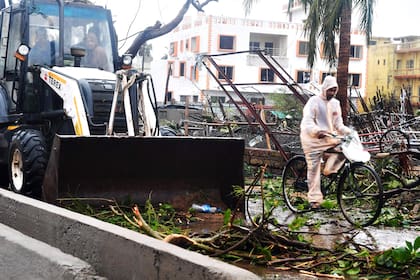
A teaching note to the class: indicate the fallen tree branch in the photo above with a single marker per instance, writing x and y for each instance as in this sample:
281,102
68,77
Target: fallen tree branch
286,260
321,274
144,226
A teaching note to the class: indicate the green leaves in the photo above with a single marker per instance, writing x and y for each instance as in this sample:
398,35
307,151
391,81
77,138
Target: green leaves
329,204
298,223
404,259
347,267
226,217
417,245
401,255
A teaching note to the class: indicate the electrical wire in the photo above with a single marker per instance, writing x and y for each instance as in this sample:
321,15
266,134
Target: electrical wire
135,34
129,27
160,10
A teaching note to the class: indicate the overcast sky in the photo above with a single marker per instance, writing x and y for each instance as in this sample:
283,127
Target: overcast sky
391,18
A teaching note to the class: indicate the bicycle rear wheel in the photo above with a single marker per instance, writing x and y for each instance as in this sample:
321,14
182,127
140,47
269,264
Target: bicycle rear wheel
294,184
360,194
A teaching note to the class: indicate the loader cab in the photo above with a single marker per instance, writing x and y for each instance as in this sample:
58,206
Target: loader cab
25,100
79,20
37,25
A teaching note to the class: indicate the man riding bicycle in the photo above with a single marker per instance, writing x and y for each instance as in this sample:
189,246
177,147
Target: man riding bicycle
321,117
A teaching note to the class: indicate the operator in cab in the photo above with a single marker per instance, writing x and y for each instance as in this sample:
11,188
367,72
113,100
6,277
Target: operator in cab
43,51
95,54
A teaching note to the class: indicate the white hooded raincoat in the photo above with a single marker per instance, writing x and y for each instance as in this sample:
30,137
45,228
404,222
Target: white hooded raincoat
321,114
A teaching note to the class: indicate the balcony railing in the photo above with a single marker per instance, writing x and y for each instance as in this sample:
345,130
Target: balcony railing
408,47
407,73
280,54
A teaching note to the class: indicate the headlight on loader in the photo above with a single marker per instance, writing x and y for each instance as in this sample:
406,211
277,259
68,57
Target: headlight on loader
22,52
127,61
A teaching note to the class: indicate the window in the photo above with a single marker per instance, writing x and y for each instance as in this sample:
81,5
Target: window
194,73
266,75
410,64
303,48
195,44
187,45
4,22
227,70
226,42
256,100
183,98
324,74
188,98
215,99
269,48
173,49
354,80
182,69
399,62
253,46
356,52
303,77
169,96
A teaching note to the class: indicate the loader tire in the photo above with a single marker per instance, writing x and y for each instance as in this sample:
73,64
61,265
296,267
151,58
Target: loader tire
27,162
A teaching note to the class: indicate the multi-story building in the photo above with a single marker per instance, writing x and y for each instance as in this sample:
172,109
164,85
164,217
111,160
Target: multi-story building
285,41
379,67
394,68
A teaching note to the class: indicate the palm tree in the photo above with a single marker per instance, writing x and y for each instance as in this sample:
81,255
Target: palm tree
326,19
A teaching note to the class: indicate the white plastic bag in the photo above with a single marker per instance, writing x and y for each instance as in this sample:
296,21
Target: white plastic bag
353,149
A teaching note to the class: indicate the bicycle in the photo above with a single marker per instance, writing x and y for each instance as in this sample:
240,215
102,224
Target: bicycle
359,189
395,142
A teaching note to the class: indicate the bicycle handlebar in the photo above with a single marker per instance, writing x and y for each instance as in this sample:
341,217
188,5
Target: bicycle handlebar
342,138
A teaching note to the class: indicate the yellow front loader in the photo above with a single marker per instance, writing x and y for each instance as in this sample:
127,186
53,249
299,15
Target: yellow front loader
71,128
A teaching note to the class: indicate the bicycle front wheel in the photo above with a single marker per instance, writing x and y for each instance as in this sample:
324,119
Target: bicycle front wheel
360,194
295,185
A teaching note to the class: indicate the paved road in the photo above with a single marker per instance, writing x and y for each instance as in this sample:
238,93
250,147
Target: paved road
23,257
42,241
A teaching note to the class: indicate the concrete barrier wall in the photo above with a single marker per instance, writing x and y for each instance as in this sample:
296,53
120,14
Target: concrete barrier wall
23,257
114,252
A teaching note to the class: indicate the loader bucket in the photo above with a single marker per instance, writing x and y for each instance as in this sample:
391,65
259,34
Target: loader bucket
175,170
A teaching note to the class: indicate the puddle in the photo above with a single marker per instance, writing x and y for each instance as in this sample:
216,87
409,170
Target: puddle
386,238
329,228
326,229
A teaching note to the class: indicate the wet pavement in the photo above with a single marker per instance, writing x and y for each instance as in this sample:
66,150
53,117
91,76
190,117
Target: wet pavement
327,229
324,228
